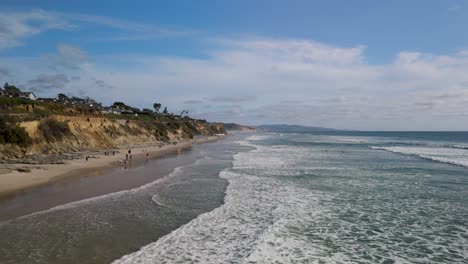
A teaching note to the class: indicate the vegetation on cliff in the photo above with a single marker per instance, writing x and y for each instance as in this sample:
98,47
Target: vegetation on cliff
13,134
68,124
53,130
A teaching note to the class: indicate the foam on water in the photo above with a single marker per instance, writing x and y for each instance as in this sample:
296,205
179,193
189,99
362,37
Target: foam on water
445,155
259,137
254,221
297,204
352,139
460,146
376,141
328,139
253,226
110,196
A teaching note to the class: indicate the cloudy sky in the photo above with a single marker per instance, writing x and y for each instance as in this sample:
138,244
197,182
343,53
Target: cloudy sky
367,65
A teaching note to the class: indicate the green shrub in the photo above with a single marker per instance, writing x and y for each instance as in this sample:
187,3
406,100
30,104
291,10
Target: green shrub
53,130
13,134
111,130
131,131
40,113
8,102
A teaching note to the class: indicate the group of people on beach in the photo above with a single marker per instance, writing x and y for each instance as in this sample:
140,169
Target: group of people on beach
147,153
128,158
107,153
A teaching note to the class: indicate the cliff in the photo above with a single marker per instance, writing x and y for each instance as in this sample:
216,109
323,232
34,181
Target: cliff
67,125
58,134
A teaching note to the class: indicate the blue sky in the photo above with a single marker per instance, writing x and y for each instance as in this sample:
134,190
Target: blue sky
371,65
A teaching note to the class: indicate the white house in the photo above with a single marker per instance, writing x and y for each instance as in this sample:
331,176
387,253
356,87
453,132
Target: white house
28,95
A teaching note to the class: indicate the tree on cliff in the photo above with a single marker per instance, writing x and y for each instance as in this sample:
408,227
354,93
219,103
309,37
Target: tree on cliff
146,110
11,89
123,106
165,111
120,105
156,107
184,112
62,97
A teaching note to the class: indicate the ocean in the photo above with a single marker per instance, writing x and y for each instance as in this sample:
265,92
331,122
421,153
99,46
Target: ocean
335,197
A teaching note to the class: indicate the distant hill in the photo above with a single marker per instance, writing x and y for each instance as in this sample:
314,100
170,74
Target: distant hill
237,127
293,128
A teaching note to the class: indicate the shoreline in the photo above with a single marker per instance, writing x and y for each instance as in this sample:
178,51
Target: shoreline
16,182
165,194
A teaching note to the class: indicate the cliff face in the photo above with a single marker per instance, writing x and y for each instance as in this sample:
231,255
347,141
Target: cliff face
57,134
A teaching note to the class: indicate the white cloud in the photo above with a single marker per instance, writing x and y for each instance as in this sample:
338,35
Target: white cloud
70,56
454,8
347,93
17,26
285,81
45,82
301,51
231,99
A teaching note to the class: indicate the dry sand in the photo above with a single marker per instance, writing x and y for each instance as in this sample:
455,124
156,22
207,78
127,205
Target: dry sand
99,164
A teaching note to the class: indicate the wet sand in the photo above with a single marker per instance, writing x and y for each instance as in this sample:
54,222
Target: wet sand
85,179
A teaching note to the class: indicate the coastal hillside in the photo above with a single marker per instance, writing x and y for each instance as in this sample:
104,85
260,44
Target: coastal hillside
52,126
237,127
56,134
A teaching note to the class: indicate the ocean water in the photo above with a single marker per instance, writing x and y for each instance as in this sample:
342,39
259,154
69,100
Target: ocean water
102,229
343,197
332,198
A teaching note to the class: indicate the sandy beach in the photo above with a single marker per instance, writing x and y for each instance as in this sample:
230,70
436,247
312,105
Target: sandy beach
97,164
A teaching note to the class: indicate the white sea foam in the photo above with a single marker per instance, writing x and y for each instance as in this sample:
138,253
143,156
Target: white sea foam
253,222
258,137
253,225
352,139
444,155
110,196
270,219
460,146
119,194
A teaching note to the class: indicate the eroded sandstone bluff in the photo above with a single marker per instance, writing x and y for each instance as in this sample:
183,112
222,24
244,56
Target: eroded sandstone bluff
58,134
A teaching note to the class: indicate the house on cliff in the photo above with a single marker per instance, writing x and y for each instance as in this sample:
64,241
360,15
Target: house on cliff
28,95
13,91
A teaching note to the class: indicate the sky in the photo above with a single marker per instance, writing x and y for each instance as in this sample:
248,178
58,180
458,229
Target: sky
364,65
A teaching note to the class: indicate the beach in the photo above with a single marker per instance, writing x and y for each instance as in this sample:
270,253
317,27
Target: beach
98,163
98,219
262,198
